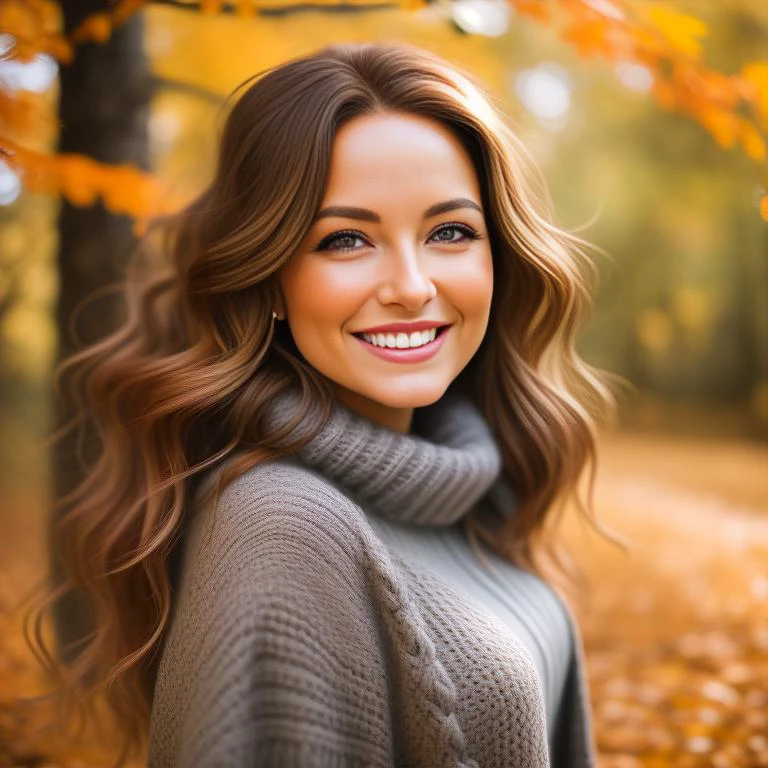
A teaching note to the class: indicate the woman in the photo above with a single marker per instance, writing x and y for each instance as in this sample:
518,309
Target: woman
333,430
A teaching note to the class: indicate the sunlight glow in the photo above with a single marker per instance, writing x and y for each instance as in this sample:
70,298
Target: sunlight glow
636,77
482,17
10,185
545,91
37,75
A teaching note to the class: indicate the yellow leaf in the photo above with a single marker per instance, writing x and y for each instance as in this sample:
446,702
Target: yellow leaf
679,30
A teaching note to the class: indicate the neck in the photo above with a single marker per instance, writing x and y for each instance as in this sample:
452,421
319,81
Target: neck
396,419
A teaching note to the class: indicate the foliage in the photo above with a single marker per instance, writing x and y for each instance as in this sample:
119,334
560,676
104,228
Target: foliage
733,108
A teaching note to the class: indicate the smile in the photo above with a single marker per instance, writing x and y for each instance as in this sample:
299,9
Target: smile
405,348
401,340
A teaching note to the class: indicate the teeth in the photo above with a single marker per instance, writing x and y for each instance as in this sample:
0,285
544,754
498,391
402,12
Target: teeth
401,340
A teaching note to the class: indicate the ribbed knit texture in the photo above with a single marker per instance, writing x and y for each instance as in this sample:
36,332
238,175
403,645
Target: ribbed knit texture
298,638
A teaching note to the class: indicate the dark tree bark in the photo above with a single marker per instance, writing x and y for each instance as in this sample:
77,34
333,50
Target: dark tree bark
104,107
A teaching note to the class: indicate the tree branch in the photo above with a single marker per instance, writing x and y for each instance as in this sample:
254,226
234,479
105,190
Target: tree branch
282,9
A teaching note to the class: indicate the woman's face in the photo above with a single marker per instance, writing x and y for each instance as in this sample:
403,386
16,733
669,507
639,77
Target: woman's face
399,247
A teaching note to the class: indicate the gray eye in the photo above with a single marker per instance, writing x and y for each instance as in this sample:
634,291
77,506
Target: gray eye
446,234
345,241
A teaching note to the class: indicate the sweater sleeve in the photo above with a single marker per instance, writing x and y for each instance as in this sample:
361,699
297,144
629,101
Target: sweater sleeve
274,655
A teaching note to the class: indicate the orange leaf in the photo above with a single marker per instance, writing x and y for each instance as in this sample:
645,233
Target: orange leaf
753,142
590,38
82,180
764,207
664,93
534,9
96,28
124,9
725,127
755,77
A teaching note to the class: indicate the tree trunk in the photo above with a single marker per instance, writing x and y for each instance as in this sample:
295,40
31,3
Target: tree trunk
103,110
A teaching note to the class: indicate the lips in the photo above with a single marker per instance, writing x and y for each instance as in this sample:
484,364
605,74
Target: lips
419,325
410,355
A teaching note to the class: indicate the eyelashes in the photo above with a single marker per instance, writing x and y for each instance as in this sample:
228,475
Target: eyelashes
326,244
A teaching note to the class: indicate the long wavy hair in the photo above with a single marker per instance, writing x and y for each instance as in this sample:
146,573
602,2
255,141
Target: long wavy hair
184,385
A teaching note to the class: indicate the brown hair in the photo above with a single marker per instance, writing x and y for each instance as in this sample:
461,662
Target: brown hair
185,384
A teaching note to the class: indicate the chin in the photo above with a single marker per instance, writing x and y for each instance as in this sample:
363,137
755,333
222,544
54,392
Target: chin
408,395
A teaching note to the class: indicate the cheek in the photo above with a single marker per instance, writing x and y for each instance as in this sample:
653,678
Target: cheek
320,294
472,286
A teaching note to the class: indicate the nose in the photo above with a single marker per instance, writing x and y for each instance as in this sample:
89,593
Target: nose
405,280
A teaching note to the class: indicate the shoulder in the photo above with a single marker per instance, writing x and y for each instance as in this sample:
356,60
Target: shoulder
284,484
282,490
282,516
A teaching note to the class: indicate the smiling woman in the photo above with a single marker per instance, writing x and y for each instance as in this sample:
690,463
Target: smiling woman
416,262
332,430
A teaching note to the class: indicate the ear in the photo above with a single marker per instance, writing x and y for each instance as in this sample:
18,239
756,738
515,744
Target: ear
278,306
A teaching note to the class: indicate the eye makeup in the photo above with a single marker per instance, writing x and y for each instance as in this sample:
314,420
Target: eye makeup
326,244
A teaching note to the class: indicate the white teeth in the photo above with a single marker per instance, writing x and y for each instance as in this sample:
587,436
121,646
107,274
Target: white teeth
401,340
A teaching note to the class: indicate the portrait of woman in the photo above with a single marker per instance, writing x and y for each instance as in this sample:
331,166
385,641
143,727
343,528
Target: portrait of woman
343,408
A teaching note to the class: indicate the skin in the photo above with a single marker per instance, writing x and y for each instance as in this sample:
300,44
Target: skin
402,268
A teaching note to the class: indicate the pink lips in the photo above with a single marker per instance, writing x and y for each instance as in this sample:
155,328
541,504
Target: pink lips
416,355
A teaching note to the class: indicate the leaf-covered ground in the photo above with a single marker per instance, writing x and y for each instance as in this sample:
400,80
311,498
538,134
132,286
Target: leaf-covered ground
676,630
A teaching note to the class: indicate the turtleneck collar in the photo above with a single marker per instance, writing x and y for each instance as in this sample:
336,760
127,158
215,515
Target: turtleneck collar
431,476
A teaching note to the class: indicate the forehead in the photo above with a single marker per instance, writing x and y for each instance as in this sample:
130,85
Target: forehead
409,153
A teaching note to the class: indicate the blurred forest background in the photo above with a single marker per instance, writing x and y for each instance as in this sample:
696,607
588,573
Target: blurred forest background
676,629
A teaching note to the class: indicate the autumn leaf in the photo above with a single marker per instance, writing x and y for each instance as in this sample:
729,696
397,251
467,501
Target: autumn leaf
755,77
679,30
764,207
83,181
752,142
96,28
34,28
534,9
22,113
590,38
124,9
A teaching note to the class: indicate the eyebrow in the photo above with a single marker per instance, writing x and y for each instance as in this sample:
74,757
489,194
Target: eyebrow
347,212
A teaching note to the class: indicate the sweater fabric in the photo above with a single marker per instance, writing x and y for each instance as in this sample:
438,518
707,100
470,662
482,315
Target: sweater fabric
329,613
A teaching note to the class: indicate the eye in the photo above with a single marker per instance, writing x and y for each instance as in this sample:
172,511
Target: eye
339,241
447,232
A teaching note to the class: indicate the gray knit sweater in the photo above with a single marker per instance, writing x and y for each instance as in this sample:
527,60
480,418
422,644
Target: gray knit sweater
300,636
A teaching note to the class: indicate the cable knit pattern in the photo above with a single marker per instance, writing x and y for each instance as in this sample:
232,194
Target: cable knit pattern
298,639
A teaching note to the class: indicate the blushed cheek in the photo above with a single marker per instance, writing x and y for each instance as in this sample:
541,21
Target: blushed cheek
321,300
473,288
